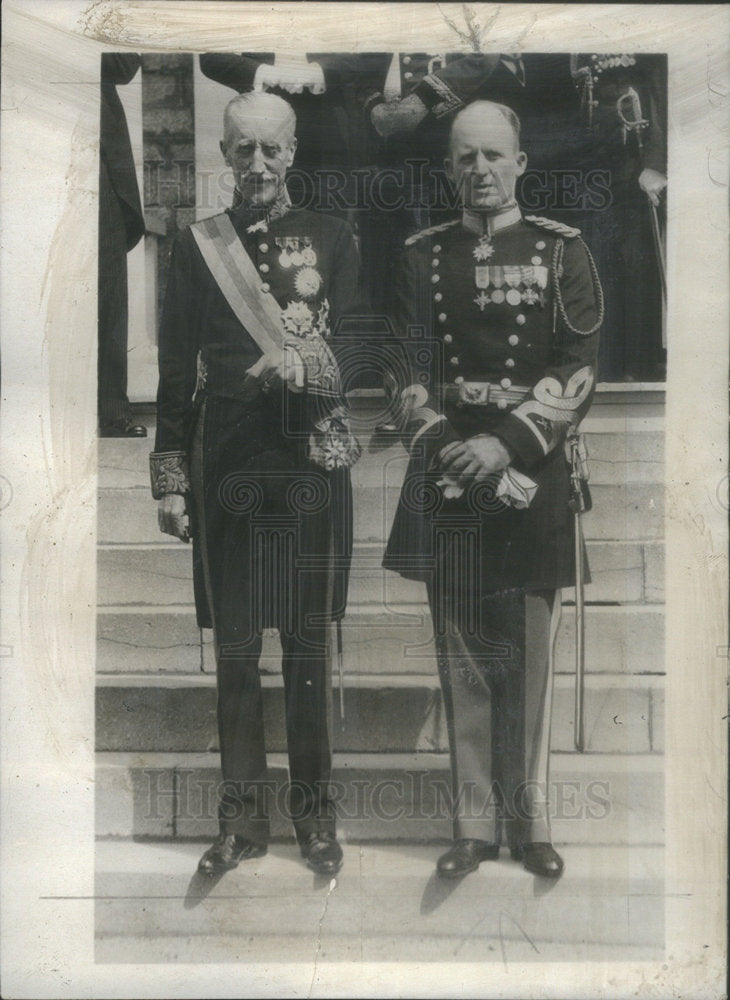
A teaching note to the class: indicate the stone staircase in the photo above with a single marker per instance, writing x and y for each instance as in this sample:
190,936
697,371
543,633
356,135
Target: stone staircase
156,732
386,905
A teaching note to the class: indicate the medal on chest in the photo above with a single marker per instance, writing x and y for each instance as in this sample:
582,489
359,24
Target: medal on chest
515,284
296,251
297,254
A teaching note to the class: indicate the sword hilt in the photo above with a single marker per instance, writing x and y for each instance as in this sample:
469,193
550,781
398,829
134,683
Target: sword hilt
580,499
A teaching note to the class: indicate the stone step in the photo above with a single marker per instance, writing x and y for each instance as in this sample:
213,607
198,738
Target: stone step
385,905
162,640
595,798
383,714
159,574
615,457
621,511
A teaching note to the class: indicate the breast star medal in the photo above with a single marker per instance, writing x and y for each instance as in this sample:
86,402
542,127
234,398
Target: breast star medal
484,249
308,282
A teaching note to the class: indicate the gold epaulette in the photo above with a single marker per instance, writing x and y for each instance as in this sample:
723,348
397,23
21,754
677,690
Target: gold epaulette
428,232
559,228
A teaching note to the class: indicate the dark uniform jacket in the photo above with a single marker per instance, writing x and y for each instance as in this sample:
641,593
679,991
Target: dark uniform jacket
250,443
501,333
118,177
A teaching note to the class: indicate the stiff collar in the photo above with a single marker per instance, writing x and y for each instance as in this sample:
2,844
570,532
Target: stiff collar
261,213
487,225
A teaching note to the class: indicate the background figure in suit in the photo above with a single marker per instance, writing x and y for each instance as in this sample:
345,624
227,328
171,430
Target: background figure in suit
121,227
500,314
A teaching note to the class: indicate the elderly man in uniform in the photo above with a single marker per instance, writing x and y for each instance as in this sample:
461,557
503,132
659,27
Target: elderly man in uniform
500,314
251,458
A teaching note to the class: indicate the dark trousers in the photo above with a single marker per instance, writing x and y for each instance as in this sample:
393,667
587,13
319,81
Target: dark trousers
245,802
113,309
246,793
495,663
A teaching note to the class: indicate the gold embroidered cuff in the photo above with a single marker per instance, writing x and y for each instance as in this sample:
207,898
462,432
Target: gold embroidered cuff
168,473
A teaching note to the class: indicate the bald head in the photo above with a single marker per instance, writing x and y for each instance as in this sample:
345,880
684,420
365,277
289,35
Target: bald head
484,158
258,108
482,114
258,145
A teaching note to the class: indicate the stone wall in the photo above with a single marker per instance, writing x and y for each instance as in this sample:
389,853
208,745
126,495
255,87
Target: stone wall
169,152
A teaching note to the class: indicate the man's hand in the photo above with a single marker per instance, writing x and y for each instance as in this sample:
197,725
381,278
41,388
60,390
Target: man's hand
283,365
293,77
652,183
398,116
474,459
172,516
266,77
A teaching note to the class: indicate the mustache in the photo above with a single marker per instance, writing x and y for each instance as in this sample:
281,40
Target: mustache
257,177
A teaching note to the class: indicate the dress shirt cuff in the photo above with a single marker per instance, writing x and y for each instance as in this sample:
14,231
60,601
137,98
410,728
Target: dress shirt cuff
261,71
169,473
316,81
520,440
373,98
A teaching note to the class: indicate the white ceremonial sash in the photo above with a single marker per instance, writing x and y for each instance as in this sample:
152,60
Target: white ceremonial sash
237,277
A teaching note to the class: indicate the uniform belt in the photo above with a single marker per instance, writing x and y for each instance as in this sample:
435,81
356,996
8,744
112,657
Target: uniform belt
484,394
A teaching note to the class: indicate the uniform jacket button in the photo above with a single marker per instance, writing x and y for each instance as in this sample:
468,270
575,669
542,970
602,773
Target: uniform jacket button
264,247
406,60
447,338
520,319
442,317
459,380
514,340
540,245
536,260
454,361
265,287
437,297
509,363
408,76
263,268
437,248
435,279
502,404
506,383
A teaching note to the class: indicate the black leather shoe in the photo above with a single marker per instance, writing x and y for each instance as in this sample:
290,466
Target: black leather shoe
122,429
465,856
540,859
227,851
323,853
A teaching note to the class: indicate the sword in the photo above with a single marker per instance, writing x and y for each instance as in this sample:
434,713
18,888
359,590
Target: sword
637,123
656,232
583,79
341,673
580,501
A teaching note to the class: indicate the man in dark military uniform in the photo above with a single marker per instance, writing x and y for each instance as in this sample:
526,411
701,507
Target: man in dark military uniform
500,315
413,114
253,448
624,102
121,227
